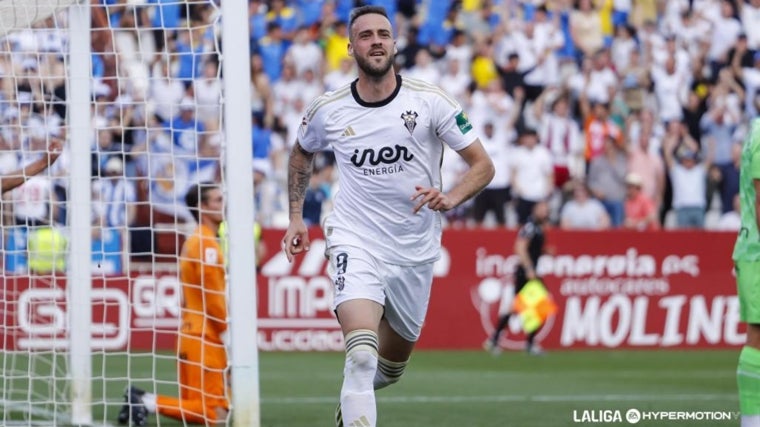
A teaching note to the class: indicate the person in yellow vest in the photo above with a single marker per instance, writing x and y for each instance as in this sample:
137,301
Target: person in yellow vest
534,305
483,68
47,250
605,14
259,247
529,246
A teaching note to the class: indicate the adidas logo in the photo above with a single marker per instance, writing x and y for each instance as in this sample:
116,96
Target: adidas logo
361,422
349,131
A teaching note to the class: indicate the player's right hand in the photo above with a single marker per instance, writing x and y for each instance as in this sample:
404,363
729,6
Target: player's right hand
296,239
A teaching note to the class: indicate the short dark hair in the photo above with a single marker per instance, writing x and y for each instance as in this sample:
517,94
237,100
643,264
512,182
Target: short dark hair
527,131
197,194
365,10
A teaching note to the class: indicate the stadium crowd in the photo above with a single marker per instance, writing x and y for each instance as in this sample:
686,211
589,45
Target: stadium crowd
621,113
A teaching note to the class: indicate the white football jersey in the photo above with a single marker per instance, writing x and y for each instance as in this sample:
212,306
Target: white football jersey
382,151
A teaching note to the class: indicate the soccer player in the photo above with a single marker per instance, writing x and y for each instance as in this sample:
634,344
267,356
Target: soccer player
202,336
529,246
747,266
14,179
384,234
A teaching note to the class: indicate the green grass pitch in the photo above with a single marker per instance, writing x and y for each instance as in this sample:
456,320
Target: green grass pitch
471,389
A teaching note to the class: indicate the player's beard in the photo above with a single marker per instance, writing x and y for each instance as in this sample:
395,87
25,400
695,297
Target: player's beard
372,69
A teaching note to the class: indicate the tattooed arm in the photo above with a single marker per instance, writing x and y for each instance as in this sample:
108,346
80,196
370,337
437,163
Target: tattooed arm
300,165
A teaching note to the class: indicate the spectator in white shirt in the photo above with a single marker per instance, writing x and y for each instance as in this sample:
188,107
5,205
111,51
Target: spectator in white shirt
583,212
535,45
551,38
750,78
650,38
602,81
208,94
34,202
689,180
622,46
286,90
496,140
343,75
165,93
674,51
532,174
114,197
455,81
750,16
578,82
311,86
671,89
561,135
725,31
692,31
490,104
674,10
304,53
460,51
424,68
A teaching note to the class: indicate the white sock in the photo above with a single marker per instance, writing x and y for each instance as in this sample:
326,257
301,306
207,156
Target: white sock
149,400
750,421
357,396
388,372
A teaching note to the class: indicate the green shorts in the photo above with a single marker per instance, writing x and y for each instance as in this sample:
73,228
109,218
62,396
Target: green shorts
748,288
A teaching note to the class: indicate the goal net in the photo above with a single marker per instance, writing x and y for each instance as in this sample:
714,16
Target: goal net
89,286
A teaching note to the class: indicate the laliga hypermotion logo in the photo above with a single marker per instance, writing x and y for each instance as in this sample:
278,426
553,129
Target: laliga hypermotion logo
493,298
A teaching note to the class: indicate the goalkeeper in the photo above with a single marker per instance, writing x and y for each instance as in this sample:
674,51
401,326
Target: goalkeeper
529,246
201,350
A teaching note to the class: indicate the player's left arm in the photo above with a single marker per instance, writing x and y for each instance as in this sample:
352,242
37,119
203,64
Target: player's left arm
479,174
300,168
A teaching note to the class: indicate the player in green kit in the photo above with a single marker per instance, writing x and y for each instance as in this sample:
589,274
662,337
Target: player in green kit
747,263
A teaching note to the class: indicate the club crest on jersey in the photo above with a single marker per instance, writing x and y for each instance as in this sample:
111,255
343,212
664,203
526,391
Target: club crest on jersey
410,120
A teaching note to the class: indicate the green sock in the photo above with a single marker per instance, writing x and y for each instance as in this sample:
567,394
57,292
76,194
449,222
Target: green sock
748,380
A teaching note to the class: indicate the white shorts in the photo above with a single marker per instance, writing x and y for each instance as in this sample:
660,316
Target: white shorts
404,291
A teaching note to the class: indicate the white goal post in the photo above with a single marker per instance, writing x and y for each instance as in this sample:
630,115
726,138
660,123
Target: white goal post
73,337
240,215
79,272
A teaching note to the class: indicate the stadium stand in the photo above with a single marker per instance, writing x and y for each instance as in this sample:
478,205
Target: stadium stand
682,74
